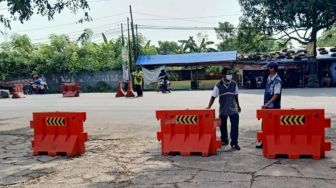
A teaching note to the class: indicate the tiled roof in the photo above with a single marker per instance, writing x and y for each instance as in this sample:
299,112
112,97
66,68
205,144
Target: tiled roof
292,55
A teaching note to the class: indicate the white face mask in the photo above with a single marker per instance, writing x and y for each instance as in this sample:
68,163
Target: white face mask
229,77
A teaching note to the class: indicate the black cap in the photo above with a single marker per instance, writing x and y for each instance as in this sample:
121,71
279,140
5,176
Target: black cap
225,70
272,65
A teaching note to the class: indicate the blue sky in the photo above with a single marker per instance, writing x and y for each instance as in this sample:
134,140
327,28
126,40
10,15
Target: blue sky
108,14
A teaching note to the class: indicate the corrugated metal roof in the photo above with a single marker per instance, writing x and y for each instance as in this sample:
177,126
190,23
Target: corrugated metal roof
185,59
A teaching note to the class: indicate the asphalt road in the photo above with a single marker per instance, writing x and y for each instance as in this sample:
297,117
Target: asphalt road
122,150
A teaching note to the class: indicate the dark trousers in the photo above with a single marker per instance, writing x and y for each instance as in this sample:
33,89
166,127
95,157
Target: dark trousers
138,89
234,120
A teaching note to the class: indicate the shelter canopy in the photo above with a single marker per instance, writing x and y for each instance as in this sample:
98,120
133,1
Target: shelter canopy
208,58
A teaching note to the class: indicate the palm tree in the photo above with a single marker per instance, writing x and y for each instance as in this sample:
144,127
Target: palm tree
85,36
190,46
203,47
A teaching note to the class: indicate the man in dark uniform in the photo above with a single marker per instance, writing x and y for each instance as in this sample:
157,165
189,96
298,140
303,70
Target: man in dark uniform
227,91
272,94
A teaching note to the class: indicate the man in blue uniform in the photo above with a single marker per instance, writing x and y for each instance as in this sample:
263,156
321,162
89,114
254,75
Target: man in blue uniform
272,95
227,91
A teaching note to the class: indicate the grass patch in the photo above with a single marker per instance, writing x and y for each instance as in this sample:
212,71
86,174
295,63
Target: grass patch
186,85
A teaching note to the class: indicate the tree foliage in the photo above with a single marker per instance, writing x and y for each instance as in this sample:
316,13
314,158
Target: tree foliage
24,10
168,47
225,31
246,39
190,46
328,38
18,50
19,58
291,19
148,49
86,36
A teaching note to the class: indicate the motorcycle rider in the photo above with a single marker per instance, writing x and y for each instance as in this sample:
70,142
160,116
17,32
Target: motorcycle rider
38,86
164,77
37,80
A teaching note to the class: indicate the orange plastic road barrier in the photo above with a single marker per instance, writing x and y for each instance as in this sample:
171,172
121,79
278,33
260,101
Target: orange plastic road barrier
70,89
295,132
188,131
18,91
130,92
120,91
58,133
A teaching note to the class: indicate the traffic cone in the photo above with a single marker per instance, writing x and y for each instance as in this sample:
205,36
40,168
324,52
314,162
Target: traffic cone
130,92
120,91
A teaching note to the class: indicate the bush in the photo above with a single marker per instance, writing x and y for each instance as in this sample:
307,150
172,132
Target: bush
213,69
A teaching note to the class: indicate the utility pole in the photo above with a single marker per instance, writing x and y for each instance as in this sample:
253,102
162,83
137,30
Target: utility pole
129,47
137,40
122,35
133,36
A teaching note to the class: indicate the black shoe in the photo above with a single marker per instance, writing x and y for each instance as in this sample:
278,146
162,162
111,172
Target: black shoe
225,143
235,147
259,145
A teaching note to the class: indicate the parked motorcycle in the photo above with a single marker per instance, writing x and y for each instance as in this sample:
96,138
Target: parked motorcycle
259,81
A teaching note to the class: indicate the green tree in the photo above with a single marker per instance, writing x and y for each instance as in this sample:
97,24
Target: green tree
225,31
168,47
19,58
100,57
111,55
328,38
59,57
227,34
15,57
204,43
24,10
85,36
251,40
245,39
204,46
190,46
293,20
228,45
148,49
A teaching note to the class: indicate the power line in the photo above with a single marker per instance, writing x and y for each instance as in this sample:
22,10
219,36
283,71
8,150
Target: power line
189,18
71,23
175,18
192,27
174,27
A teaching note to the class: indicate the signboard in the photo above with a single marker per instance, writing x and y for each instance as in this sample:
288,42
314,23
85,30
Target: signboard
191,119
293,120
55,121
125,63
